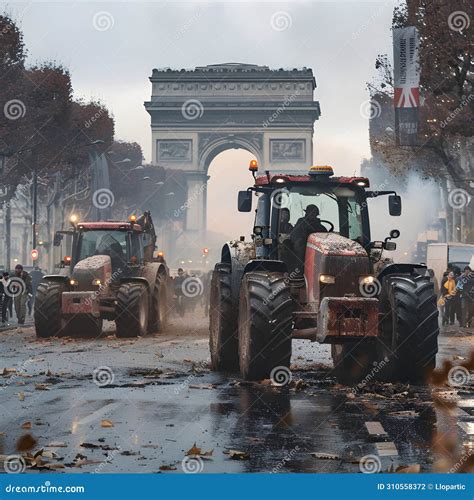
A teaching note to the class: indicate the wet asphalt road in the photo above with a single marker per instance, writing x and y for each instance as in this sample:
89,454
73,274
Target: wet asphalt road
113,405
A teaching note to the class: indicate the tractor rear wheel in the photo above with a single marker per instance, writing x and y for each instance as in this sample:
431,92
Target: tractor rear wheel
223,339
265,324
48,318
159,307
409,330
353,360
132,310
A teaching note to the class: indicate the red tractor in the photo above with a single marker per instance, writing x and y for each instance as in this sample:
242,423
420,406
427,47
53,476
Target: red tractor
311,271
111,274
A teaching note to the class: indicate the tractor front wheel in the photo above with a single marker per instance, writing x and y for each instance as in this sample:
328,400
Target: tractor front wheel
223,340
48,318
265,324
409,330
132,310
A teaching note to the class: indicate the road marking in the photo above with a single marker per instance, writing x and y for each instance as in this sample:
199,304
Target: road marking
386,449
99,413
375,429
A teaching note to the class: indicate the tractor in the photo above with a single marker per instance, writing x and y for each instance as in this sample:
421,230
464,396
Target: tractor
111,274
311,271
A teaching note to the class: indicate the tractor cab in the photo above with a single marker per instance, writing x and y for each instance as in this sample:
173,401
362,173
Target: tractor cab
126,243
291,207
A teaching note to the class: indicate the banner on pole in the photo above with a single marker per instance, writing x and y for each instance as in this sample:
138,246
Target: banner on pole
406,85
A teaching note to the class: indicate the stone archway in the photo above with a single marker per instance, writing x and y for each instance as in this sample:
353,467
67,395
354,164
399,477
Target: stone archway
197,114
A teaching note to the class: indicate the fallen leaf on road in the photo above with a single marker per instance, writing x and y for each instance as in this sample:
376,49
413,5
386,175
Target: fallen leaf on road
56,444
21,396
106,423
42,387
237,455
414,469
26,425
8,372
404,413
26,443
202,386
54,466
195,451
45,454
167,467
91,446
325,456
300,384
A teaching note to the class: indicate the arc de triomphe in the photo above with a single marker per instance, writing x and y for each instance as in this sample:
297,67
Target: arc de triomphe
197,114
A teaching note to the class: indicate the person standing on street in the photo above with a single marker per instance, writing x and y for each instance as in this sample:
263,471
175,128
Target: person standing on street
36,276
464,293
22,292
449,294
5,299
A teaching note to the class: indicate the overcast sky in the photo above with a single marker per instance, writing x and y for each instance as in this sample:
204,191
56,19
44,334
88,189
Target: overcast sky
338,40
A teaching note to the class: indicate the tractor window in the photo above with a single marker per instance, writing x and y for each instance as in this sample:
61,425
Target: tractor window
338,205
112,243
137,247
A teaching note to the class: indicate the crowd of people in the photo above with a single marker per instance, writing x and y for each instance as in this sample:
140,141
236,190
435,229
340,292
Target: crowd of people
456,296
191,291
17,292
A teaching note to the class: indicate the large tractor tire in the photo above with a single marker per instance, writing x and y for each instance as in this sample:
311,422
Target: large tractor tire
265,324
132,310
48,319
408,339
223,337
159,307
353,361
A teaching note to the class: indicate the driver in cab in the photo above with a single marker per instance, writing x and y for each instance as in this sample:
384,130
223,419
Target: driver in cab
306,225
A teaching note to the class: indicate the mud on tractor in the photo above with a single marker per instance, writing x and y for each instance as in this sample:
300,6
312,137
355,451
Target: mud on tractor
314,273
111,274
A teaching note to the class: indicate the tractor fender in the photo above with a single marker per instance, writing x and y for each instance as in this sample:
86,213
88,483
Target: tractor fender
401,269
135,279
55,277
266,265
153,271
237,254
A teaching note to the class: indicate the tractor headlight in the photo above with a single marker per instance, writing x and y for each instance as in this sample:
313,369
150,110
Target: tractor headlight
327,279
96,282
73,282
366,280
